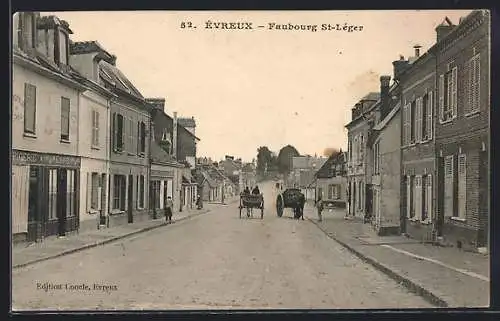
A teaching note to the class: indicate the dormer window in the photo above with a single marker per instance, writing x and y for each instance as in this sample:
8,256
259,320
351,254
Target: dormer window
61,45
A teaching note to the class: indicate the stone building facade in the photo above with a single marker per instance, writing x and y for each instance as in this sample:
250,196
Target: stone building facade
45,103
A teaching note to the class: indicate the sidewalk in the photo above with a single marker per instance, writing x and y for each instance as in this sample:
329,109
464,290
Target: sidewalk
23,254
446,277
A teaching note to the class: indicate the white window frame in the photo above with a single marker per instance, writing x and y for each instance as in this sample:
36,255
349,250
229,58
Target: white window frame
418,197
408,196
429,197
450,80
430,119
418,119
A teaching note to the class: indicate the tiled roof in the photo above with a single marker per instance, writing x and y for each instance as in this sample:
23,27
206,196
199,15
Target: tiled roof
82,47
116,78
326,171
186,122
52,21
161,156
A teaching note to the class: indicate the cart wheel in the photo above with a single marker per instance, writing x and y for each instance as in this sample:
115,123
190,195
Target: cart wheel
240,211
248,212
261,213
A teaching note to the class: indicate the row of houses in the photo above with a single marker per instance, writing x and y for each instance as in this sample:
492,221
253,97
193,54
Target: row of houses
418,151
88,149
224,179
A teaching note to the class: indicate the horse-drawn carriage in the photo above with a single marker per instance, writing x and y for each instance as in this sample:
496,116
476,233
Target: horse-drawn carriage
291,198
251,201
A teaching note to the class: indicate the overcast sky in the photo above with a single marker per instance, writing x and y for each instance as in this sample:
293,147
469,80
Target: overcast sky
249,88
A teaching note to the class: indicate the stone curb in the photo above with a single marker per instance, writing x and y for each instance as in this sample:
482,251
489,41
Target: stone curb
112,239
411,285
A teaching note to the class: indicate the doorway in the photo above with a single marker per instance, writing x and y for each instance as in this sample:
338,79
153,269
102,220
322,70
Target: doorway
62,199
34,219
130,203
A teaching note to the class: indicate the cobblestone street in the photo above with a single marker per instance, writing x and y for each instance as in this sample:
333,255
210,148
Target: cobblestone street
214,261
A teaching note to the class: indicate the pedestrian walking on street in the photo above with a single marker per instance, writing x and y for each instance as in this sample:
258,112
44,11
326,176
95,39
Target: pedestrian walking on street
319,206
168,210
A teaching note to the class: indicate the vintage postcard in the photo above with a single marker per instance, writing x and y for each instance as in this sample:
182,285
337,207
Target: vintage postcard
241,160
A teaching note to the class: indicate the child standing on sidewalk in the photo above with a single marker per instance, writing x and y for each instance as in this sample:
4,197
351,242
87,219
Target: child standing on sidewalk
168,210
319,206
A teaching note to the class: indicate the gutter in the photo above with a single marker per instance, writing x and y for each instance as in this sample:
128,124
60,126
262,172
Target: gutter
46,72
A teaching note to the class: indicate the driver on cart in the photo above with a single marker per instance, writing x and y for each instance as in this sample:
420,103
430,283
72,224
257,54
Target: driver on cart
246,191
255,190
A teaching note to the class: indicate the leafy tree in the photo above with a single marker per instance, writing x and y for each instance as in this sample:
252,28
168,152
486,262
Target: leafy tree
264,157
285,158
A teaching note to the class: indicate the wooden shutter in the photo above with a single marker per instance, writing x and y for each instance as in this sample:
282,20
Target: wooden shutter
20,198
97,128
408,123
430,112
454,91
448,186
462,185
88,192
418,197
441,97
468,86
65,110
408,196
29,108
114,127
418,120
138,137
477,83
428,195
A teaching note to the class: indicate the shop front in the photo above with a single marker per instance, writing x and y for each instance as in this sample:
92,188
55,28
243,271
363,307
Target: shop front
45,190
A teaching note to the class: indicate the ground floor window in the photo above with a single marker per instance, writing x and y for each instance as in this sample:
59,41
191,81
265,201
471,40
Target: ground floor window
155,189
52,210
140,191
119,192
71,193
95,185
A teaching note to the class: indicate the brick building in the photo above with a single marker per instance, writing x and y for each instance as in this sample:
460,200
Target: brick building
358,165
417,79
462,130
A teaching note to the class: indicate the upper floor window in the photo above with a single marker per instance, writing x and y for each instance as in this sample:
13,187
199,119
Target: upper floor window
63,47
95,128
472,85
65,109
413,107
29,108
427,119
142,137
376,158
118,134
448,94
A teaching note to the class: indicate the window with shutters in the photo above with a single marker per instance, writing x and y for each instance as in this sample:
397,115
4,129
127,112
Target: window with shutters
118,132
462,186
418,197
65,105
448,94
428,119
425,116
131,137
376,158
142,137
95,128
361,149
119,191
331,191
448,186
418,119
413,107
409,199
29,108
406,123
472,80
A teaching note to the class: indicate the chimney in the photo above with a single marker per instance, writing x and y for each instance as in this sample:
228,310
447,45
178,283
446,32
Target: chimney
443,29
174,138
157,103
384,95
400,66
417,50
